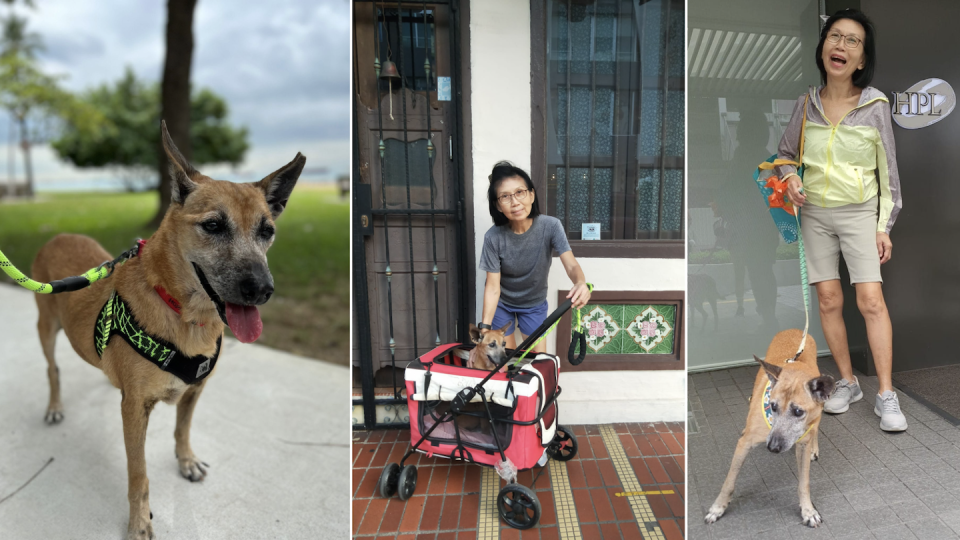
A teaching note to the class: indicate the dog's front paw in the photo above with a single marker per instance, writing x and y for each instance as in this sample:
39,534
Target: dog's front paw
142,532
811,518
192,468
714,513
54,415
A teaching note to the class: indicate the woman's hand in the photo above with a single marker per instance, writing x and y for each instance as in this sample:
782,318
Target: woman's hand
580,294
884,247
795,191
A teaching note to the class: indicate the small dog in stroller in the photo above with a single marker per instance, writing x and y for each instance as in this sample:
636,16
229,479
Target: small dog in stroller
506,419
490,348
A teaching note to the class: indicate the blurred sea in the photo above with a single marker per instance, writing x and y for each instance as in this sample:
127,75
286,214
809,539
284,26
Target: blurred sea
115,184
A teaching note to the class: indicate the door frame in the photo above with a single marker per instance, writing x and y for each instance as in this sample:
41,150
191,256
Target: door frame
363,212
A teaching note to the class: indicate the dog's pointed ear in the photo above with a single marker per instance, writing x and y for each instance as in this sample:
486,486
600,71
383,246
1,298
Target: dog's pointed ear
773,372
505,328
821,388
181,172
279,184
475,335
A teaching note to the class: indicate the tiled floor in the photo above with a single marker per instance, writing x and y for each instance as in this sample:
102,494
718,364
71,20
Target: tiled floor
867,483
607,485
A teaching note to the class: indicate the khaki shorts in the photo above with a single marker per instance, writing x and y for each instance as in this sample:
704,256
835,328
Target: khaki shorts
851,229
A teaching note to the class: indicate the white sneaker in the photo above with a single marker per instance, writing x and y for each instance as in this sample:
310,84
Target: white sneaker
844,394
888,409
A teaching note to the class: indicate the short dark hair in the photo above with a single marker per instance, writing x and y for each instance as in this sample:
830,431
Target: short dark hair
501,171
861,77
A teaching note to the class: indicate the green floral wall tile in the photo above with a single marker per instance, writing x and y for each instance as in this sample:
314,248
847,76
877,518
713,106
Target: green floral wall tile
651,327
630,329
603,328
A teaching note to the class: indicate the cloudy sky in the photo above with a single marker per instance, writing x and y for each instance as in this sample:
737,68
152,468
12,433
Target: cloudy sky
283,68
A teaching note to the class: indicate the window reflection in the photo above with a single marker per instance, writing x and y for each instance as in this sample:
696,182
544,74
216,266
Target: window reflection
747,68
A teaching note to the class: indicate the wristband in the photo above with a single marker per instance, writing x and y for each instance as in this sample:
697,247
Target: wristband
484,326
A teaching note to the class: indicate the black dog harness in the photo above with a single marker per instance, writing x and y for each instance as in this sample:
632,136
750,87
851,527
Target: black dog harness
116,318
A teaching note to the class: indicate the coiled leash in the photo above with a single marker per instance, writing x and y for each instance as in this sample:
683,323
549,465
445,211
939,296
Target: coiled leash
549,330
774,190
579,338
72,283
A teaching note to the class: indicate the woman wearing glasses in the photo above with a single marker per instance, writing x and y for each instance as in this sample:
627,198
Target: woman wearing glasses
850,194
517,252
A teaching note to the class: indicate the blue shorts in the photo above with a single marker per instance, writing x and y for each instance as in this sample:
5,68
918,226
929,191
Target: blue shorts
529,318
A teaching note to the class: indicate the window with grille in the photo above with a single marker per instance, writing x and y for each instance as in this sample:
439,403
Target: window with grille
614,116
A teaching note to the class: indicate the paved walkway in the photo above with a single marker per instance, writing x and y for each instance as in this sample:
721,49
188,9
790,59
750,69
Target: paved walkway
867,484
624,477
273,426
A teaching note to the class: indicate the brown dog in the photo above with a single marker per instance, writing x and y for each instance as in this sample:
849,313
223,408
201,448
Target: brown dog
490,347
795,402
209,256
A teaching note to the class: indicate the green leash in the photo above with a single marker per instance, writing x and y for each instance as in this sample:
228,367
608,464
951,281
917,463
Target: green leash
68,284
803,283
578,340
578,325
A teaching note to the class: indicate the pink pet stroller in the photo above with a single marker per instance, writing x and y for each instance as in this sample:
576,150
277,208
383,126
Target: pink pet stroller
502,420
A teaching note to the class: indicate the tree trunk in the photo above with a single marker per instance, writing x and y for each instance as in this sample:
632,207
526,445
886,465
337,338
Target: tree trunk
175,91
25,145
11,155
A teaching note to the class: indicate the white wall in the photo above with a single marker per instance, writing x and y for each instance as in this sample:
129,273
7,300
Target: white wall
500,99
603,397
621,396
499,52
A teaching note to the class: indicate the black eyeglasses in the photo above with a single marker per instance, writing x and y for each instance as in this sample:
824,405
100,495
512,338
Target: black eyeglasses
850,41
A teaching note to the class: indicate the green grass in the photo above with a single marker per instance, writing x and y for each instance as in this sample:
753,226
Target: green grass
310,260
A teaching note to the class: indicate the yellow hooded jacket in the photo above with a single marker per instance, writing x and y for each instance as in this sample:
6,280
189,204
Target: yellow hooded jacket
850,162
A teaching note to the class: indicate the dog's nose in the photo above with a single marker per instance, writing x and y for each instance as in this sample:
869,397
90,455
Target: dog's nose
775,445
256,289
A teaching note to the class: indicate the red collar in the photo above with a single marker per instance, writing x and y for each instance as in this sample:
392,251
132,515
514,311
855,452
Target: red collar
170,301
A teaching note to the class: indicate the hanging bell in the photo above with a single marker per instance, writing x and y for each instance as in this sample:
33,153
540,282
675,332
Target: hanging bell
389,71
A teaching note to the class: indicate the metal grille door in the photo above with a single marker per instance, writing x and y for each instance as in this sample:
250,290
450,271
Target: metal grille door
408,211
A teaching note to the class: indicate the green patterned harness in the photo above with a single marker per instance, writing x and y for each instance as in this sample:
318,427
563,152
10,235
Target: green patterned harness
116,318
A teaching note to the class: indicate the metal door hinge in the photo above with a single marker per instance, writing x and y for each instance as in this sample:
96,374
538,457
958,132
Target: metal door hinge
450,142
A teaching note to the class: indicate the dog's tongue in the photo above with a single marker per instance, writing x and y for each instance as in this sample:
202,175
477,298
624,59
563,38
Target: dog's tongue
244,322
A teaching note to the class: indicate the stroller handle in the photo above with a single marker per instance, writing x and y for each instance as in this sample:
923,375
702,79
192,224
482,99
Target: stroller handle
542,329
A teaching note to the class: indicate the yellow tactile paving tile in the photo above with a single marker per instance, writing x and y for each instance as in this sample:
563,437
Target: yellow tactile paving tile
488,522
567,522
649,527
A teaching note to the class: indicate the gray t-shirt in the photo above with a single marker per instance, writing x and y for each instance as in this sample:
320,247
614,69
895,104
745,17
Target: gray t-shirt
523,260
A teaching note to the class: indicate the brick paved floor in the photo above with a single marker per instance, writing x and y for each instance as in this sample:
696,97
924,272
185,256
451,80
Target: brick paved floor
447,502
867,483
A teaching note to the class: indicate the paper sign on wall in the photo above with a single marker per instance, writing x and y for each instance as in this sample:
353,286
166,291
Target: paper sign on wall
443,88
591,231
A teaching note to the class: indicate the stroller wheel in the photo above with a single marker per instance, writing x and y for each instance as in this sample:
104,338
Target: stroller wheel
388,480
564,445
518,506
408,482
